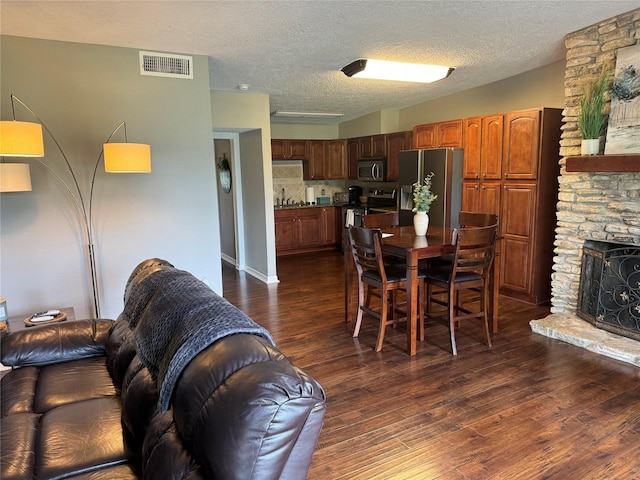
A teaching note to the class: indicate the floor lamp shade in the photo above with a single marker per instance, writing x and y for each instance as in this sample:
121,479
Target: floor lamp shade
15,177
21,139
127,157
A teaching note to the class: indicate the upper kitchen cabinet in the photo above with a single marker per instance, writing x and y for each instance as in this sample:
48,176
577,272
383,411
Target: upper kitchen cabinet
483,148
379,146
313,168
353,154
521,153
364,147
437,135
326,160
335,159
288,149
396,142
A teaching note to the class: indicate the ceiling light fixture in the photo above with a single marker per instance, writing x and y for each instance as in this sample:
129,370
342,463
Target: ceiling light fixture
280,113
404,72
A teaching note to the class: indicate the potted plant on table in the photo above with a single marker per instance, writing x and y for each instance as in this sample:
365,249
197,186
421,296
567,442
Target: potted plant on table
592,117
423,197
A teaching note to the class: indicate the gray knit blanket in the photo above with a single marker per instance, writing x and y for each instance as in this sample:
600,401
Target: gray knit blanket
174,317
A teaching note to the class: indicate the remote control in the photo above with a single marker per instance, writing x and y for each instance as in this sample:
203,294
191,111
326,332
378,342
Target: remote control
48,313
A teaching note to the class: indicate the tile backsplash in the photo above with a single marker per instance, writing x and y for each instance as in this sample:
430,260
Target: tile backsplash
288,175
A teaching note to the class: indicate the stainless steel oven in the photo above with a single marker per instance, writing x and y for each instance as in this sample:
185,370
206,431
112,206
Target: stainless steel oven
376,198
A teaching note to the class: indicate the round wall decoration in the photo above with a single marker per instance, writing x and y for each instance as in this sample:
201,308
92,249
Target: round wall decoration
224,174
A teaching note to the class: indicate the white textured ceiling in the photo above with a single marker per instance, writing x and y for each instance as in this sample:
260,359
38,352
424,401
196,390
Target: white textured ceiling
294,50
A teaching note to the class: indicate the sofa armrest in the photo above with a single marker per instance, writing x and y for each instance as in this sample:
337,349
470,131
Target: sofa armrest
55,343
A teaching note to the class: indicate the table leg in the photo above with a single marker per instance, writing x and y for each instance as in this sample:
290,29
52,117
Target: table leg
494,289
412,301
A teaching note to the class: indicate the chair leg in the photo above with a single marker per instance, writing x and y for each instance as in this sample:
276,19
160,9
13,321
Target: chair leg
485,318
383,321
421,308
361,297
452,323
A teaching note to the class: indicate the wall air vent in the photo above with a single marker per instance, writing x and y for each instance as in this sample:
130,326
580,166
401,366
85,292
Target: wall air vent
166,65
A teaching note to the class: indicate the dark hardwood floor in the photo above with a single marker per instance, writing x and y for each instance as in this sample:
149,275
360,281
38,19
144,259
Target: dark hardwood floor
528,408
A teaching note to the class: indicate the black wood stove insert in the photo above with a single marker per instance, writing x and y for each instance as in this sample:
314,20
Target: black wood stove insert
609,293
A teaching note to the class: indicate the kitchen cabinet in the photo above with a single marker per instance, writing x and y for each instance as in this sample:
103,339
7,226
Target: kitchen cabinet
482,172
353,154
288,149
521,155
379,146
313,168
437,135
326,160
329,234
299,230
484,197
364,147
335,159
511,166
482,145
530,170
396,142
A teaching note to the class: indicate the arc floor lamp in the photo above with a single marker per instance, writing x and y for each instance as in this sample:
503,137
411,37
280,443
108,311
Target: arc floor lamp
25,139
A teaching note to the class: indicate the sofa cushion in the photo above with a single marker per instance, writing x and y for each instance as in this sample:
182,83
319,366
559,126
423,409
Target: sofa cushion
18,391
71,382
80,437
17,438
117,472
57,342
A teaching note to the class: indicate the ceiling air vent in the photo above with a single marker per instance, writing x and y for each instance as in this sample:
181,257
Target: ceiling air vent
166,65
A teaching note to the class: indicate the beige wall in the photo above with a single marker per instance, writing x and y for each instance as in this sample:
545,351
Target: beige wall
82,92
542,87
248,114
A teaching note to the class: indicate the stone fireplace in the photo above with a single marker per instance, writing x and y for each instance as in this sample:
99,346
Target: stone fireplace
593,204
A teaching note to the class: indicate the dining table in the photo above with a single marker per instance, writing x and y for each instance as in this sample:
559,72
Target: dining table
404,243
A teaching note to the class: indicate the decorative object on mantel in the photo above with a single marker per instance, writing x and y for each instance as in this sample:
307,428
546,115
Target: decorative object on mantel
423,197
623,132
592,117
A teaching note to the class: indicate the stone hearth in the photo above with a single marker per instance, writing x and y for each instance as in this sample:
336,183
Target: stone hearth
572,329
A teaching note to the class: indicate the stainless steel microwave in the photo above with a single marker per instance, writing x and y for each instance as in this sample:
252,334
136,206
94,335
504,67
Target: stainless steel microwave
372,169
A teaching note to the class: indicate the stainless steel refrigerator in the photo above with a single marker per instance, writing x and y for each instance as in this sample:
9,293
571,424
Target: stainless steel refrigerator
446,165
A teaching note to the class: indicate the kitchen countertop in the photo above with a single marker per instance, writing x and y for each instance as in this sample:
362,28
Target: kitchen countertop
289,207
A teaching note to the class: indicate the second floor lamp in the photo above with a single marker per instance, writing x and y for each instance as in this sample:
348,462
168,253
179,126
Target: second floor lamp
25,139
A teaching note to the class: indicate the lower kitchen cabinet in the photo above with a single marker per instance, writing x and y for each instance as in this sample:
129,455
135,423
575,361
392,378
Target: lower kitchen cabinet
300,230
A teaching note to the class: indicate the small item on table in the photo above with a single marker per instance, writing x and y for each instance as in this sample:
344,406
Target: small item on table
48,316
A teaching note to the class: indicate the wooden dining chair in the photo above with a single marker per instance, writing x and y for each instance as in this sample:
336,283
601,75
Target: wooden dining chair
387,279
381,220
474,219
472,261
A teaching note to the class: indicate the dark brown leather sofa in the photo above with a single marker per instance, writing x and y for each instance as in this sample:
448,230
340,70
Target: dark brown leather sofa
159,393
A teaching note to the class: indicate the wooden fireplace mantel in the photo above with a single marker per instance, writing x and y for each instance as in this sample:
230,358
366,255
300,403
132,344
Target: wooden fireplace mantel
604,163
